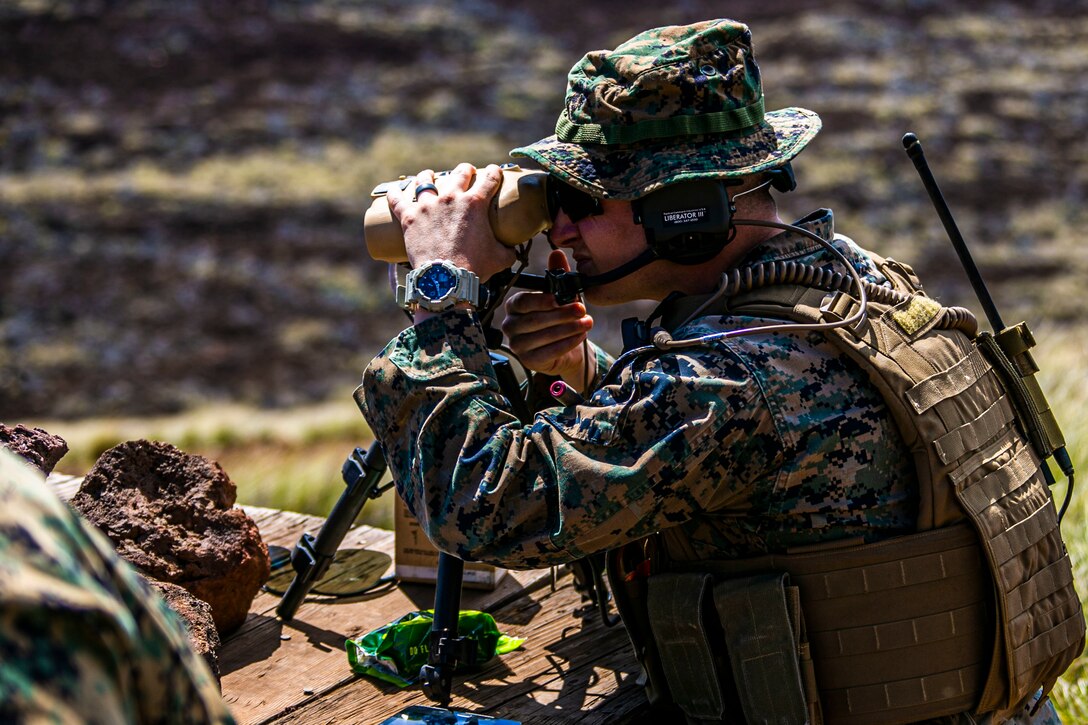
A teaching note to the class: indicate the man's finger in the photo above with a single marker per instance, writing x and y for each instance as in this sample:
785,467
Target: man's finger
546,356
531,337
463,175
557,259
522,303
522,324
488,181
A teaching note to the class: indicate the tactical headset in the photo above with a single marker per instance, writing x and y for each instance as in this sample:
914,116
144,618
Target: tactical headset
689,222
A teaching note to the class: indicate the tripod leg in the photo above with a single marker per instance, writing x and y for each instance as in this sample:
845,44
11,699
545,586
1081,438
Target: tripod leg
446,647
312,555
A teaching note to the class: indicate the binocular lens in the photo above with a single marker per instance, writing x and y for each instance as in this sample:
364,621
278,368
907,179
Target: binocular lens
576,203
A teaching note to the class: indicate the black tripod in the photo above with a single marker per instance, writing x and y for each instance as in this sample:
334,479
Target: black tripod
312,555
362,471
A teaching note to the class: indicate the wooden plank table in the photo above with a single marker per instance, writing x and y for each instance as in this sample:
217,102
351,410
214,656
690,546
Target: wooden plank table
571,668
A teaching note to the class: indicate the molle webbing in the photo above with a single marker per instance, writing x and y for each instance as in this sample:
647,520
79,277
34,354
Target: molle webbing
899,630
1009,351
1003,493
766,641
977,610
972,460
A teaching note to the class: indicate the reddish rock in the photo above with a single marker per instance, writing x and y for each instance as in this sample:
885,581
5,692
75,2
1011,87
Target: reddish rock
35,445
171,514
197,616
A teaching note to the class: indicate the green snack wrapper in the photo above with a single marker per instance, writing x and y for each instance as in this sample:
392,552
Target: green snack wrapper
395,652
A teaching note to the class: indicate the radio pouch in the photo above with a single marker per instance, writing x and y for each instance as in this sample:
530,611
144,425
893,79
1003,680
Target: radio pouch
683,625
765,647
761,673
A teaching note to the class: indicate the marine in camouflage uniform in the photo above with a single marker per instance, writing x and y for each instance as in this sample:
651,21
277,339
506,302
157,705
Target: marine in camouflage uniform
745,446
83,639
751,445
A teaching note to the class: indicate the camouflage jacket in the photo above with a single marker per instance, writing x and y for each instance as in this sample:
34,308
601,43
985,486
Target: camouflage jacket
753,444
83,639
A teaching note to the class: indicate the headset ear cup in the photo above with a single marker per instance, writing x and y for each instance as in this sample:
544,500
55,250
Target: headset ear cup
782,178
688,222
692,248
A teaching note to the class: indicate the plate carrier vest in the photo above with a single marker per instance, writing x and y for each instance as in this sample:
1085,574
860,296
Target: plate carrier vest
976,611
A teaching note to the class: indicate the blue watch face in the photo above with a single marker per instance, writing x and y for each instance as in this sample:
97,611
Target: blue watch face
436,282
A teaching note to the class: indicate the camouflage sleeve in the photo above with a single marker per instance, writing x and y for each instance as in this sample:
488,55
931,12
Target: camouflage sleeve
82,636
638,456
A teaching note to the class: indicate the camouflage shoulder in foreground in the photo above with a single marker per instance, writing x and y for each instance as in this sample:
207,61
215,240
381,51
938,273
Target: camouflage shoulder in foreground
82,636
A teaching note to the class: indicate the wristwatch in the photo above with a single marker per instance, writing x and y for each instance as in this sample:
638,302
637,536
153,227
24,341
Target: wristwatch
437,286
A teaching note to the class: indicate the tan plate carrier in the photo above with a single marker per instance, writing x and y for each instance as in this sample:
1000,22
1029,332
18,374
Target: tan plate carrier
975,612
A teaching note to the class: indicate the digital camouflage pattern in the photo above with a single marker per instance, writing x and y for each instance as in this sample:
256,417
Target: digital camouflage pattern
663,82
671,104
749,446
83,639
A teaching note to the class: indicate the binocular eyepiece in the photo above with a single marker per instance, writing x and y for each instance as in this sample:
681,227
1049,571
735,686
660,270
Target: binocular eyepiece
520,209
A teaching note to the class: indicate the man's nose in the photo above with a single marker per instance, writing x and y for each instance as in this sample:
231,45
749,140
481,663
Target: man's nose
563,230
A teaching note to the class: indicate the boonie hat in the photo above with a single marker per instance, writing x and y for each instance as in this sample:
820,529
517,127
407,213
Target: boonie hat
671,104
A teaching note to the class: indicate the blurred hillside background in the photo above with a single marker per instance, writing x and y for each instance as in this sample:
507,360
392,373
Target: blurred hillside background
182,184
182,181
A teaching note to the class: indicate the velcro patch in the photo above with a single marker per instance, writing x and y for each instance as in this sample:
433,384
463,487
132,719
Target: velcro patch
916,315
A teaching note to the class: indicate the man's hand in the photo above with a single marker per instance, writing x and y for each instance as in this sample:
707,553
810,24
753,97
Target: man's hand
548,337
450,221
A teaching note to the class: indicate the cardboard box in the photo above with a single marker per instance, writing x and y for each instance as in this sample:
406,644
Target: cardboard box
416,559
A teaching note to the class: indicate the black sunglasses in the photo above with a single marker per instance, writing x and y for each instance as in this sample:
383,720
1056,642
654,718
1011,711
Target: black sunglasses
575,203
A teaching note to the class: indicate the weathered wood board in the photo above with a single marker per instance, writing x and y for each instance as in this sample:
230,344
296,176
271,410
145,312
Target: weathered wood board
571,669
270,667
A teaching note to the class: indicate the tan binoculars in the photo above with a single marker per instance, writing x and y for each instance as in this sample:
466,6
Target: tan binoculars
519,211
